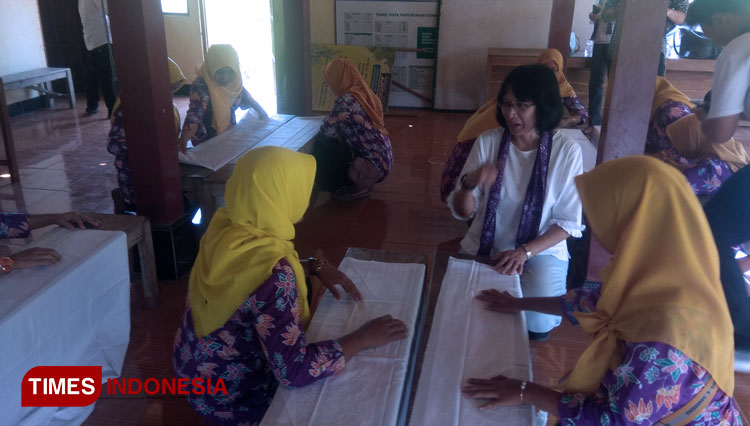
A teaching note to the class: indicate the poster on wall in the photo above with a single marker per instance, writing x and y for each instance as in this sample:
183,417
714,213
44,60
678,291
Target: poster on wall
374,63
410,27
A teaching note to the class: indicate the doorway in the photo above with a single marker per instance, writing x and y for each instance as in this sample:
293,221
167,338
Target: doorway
246,25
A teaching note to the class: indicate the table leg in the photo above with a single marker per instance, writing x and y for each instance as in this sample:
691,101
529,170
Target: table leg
71,90
10,149
148,266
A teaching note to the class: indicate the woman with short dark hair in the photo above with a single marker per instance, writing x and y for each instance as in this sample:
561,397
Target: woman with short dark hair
517,187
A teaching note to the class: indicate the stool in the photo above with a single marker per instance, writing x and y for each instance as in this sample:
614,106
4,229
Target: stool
138,231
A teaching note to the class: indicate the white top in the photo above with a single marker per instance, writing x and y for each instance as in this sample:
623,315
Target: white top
730,93
95,21
561,207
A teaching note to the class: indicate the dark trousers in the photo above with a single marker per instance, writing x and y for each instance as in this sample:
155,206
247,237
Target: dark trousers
101,74
728,214
662,65
599,72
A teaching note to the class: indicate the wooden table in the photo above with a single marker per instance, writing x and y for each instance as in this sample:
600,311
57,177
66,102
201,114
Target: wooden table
138,231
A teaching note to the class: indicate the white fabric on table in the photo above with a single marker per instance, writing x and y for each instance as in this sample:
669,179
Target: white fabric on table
295,134
467,341
222,149
369,389
74,313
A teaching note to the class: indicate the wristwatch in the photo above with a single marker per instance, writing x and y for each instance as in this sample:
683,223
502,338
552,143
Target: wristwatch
527,251
466,186
315,265
6,264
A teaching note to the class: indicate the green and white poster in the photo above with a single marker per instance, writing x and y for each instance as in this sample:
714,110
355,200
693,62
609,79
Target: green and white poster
410,27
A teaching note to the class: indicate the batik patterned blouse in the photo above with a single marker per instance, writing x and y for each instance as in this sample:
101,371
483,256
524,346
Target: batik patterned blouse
260,347
653,381
575,107
14,225
200,111
349,122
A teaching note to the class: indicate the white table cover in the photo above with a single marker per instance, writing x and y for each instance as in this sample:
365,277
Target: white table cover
74,313
295,134
222,149
467,341
369,389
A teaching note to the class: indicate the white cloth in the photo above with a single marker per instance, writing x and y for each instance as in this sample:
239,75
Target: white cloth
281,130
369,389
227,147
95,21
561,207
467,341
588,149
74,313
730,92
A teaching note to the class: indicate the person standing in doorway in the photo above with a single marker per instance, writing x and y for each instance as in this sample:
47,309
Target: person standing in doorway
599,64
95,21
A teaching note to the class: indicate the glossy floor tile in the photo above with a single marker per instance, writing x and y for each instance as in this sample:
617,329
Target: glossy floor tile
65,166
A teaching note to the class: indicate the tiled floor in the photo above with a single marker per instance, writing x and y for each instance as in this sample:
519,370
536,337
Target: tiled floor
65,166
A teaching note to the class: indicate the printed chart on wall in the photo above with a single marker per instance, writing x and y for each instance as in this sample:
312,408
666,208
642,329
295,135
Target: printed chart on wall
407,25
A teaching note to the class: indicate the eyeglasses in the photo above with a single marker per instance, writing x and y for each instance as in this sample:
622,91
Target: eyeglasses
519,106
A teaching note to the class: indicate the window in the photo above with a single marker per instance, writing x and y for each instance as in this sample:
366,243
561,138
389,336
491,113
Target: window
175,7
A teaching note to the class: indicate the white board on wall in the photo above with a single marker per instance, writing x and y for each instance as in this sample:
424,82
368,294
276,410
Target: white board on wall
467,29
397,24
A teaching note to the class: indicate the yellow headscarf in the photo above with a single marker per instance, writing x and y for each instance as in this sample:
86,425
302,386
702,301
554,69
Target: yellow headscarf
690,141
267,194
662,284
222,97
342,77
176,80
481,121
665,92
554,55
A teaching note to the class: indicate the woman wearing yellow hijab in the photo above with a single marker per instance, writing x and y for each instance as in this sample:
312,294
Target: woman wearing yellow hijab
215,94
484,119
248,295
662,343
675,136
117,145
578,116
353,149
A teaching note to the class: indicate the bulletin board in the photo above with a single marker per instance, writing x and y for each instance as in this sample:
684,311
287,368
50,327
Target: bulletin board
410,27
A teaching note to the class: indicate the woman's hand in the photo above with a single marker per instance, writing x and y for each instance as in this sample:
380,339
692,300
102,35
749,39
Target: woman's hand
73,220
510,262
317,291
36,256
330,276
499,390
187,134
485,176
373,333
500,302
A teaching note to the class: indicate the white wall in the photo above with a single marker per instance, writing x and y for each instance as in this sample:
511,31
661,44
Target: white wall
21,42
184,39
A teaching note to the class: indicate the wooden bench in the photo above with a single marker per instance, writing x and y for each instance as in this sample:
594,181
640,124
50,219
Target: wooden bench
38,79
138,231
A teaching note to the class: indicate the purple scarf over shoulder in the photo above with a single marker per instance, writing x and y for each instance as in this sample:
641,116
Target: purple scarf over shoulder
531,216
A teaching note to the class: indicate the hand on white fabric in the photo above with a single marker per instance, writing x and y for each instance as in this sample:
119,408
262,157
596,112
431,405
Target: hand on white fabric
187,134
510,262
500,302
379,331
501,391
73,220
36,256
330,276
485,176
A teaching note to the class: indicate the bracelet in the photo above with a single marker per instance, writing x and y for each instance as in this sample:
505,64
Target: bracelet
527,251
523,388
6,264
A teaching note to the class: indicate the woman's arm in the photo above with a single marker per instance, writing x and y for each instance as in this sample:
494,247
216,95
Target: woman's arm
199,101
247,101
512,261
